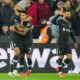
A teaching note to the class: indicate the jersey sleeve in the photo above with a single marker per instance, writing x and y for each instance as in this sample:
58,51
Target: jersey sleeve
14,21
72,34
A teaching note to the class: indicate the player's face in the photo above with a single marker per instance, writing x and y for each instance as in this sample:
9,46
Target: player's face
23,16
68,15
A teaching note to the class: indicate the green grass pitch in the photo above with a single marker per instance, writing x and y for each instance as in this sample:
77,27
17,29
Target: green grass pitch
41,76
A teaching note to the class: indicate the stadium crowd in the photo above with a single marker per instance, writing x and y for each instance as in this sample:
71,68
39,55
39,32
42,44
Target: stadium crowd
38,10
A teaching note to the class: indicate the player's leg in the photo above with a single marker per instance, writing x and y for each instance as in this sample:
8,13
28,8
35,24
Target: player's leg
11,70
29,61
60,50
29,66
68,54
15,60
60,66
16,48
28,50
68,59
13,65
22,63
59,61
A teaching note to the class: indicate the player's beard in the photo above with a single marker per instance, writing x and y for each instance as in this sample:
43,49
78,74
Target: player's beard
68,18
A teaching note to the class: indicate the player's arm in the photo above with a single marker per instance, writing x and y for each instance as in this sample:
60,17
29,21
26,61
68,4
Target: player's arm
54,21
23,33
57,15
73,38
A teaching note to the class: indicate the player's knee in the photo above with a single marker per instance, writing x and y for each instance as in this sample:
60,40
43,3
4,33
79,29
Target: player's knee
29,55
17,51
67,61
69,56
61,56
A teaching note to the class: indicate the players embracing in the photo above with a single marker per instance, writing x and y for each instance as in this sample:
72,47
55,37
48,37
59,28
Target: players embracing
22,42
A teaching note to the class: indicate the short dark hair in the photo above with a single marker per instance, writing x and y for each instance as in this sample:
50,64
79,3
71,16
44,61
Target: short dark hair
22,11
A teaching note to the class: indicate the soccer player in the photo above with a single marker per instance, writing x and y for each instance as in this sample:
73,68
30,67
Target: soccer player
63,47
22,41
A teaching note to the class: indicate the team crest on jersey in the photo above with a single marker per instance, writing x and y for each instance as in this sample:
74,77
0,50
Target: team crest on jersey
28,25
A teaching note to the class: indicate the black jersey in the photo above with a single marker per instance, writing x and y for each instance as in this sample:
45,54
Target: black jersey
65,31
26,24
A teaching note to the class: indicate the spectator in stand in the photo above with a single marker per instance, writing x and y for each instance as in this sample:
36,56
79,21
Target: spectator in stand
75,4
45,33
6,12
32,11
43,12
78,6
54,4
60,5
0,3
78,20
35,0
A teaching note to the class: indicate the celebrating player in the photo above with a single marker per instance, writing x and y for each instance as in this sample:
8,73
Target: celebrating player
22,42
63,46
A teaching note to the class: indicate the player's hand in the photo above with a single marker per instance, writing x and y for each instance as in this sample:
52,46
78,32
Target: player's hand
12,28
75,45
60,13
32,27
